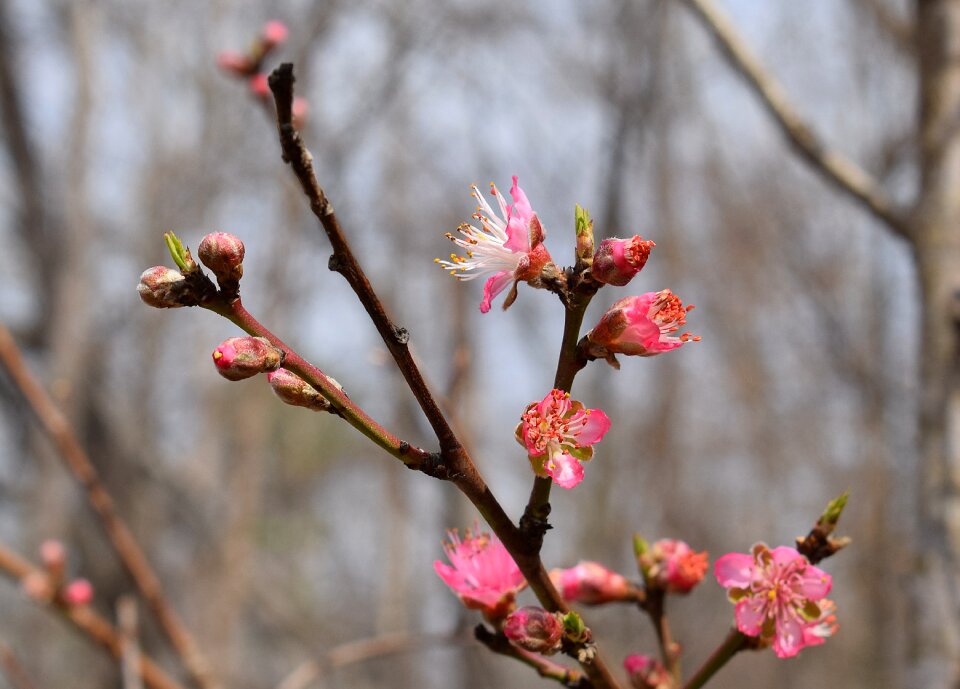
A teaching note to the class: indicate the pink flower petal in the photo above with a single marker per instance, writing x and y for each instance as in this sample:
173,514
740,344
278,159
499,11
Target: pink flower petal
784,555
494,285
734,570
750,614
789,638
815,583
565,470
596,427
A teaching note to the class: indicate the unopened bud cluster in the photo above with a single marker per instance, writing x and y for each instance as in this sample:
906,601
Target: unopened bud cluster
237,358
50,585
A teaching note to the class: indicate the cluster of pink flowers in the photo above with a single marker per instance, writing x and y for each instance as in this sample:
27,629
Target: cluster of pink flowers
481,572
780,597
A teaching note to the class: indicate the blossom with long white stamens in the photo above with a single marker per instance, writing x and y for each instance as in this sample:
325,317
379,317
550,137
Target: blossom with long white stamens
509,245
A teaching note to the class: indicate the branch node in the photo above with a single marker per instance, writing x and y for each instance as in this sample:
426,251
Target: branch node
400,335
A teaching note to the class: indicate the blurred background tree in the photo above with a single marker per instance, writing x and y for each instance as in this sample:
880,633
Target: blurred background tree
827,359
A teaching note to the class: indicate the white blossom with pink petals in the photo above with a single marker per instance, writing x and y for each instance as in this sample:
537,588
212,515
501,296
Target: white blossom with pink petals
509,245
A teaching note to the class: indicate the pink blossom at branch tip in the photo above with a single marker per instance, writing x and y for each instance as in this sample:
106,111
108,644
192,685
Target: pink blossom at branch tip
590,583
481,572
642,325
646,672
508,245
776,593
559,434
78,592
534,629
616,261
237,358
273,34
161,287
675,566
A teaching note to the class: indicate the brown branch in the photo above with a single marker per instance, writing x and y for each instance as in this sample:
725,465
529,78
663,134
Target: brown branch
343,260
836,168
15,672
89,622
454,463
118,533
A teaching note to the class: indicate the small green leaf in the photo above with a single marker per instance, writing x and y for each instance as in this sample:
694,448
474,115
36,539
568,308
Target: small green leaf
831,515
640,545
176,249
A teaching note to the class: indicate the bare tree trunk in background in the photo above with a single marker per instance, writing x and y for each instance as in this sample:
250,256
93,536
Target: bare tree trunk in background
936,639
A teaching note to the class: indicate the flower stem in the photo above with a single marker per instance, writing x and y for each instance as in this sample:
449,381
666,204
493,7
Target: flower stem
568,365
733,644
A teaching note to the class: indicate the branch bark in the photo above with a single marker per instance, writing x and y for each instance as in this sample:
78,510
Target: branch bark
837,169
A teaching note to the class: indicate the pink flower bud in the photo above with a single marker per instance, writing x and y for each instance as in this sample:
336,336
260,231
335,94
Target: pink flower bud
618,260
675,566
53,556
534,629
78,592
222,253
590,583
161,287
259,86
646,672
299,112
273,34
293,389
235,63
243,357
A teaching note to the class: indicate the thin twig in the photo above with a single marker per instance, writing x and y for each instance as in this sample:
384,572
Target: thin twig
127,625
15,672
548,669
89,622
455,463
831,164
118,533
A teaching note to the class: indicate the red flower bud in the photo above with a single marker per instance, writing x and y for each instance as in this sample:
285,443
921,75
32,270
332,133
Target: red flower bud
590,583
293,389
646,673
223,254
618,260
244,357
161,287
534,629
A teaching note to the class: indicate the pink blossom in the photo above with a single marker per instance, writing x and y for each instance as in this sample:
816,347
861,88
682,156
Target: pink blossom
641,326
776,593
590,583
483,574
511,247
534,629
618,260
676,567
646,672
559,434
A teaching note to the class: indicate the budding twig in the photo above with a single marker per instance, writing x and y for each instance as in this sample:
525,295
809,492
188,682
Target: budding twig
454,462
548,669
89,622
118,533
